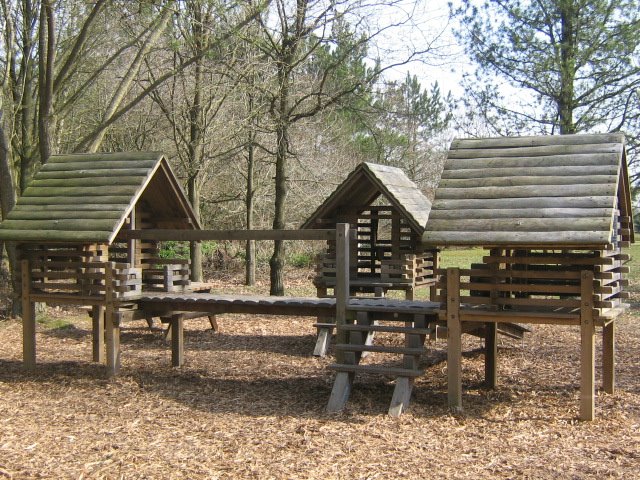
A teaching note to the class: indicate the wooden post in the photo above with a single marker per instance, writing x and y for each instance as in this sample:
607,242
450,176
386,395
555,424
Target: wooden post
112,327
454,340
97,320
608,357
587,347
342,283
490,354
28,319
177,340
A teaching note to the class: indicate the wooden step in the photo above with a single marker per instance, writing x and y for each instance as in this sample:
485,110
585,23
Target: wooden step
385,328
348,347
325,325
377,369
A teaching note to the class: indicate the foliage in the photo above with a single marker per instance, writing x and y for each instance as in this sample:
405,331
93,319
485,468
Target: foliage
554,66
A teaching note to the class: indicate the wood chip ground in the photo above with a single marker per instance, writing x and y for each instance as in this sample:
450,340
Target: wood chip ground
249,403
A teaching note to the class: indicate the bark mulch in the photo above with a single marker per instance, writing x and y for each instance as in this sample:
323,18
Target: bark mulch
249,403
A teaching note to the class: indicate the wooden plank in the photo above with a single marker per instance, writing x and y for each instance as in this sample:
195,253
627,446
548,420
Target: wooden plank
84,173
56,225
28,319
97,333
83,215
491,354
537,140
592,201
100,164
547,151
524,180
521,213
65,200
177,340
527,191
85,192
101,182
557,170
454,340
200,235
340,392
587,348
342,288
608,357
522,239
401,396
112,328
520,224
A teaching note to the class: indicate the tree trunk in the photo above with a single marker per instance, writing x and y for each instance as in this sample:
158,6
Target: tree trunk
7,202
276,263
46,59
195,248
567,67
250,247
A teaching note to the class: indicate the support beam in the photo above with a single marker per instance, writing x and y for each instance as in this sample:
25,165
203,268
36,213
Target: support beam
587,347
112,326
177,340
401,396
342,283
28,319
490,354
609,357
97,333
340,392
454,340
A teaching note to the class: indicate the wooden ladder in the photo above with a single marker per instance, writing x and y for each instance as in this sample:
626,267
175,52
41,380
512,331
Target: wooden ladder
359,342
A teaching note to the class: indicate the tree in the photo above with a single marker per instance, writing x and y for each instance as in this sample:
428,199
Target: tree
574,64
291,38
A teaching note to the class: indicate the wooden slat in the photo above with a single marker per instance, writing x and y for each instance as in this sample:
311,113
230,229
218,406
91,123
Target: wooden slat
81,164
63,224
69,214
557,170
516,238
84,191
537,140
99,182
528,191
92,173
95,200
522,213
519,224
591,201
553,151
516,181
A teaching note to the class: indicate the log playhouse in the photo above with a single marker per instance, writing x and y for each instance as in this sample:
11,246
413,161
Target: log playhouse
554,213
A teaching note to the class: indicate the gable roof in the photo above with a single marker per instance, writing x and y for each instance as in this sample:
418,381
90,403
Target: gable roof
366,183
560,190
86,198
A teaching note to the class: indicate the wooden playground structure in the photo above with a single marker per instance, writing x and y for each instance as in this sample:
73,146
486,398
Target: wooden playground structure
554,214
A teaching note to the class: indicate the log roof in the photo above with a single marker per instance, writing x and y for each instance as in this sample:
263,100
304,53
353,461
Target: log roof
365,184
86,198
535,191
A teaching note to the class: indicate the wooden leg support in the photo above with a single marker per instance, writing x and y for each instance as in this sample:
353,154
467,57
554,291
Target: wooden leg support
28,319
490,354
29,335
97,333
454,340
340,392
322,342
401,396
587,348
608,357
112,329
177,340
214,323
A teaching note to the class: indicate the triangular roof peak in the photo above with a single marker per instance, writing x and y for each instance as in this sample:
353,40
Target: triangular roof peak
554,190
365,184
86,198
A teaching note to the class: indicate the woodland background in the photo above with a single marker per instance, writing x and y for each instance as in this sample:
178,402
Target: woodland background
263,107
